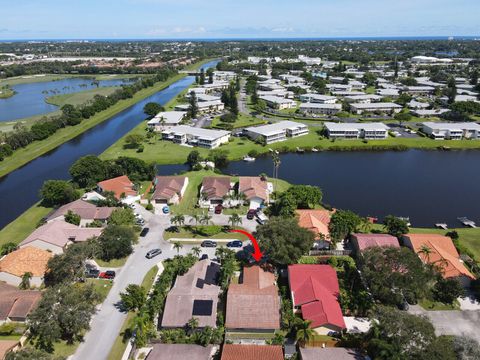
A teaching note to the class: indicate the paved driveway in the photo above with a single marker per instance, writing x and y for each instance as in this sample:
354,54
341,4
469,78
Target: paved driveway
452,322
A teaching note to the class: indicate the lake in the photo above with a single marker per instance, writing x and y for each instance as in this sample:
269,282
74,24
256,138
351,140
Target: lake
427,186
19,189
30,98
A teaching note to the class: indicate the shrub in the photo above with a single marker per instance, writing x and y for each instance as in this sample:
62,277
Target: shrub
149,206
253,153
208,230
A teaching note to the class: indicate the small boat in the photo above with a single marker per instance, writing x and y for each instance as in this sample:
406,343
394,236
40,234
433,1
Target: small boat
248,158
467,222
314,150
300,150
442,226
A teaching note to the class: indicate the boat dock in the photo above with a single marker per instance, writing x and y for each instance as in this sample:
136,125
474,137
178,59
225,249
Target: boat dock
466,222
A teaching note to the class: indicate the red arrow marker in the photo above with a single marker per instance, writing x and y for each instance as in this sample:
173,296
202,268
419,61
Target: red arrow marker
257,255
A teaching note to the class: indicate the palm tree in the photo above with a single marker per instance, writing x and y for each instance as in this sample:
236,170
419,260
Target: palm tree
196,251
304,332
177,246
192,324
276,165
195,217
25,283
426,252
205,219
235,219
178,220
365,226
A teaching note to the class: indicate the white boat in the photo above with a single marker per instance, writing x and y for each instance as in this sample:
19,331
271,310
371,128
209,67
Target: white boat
314,150
248,158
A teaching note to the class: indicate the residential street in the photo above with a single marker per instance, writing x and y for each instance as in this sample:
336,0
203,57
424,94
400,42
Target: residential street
452,322
106,324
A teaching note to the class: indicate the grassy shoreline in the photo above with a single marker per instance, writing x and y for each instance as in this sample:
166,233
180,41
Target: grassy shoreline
38,148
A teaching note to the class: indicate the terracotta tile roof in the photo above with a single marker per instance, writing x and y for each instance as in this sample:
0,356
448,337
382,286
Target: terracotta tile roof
6,346
252,187
179,352
252,352
16,304
167,186
119,185
315,289
60,233
27,259
84,209
366,241
330,353
316,220
197,286
215,186
254,303
443,253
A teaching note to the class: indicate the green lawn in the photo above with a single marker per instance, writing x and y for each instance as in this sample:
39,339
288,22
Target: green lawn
431,305
22,226
187,234
37,148
115,263
28,79
190,198
243,120
81,97
6,92
102,287
120,345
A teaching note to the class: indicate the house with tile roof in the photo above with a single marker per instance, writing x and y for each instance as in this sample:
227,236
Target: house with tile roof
214,191
181,352
314,291
330,353
194,295
88,212
55,236
253,305
439,250
122,188
27,259
362,242
252,352
255,190
317,221
169,189
16,304
6,346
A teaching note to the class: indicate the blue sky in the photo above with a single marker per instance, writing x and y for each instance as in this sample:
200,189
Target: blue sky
81,19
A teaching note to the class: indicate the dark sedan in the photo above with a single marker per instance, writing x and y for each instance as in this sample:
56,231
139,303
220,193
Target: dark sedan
235,244
209,243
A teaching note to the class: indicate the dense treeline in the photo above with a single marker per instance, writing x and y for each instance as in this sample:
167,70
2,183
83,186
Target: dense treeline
73,115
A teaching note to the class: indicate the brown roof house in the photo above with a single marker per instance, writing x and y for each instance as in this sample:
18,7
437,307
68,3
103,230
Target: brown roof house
55,236
181,352
252,352
214,191
194,295
6,346
122,187
27,259
255,190
87,212
16,304
253,305
317,221
362,242
169,189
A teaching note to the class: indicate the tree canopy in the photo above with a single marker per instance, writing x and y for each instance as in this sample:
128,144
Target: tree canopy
343,223
116,242
58,192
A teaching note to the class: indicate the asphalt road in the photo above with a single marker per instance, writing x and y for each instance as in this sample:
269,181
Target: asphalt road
106,324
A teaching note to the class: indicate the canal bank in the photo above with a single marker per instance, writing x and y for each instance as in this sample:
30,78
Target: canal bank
19,189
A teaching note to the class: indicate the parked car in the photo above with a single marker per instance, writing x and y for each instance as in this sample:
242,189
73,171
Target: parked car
152,253
251,214
140,222
235,244
166,210
92,273
261,218
109,274
218,209
144,232
209,243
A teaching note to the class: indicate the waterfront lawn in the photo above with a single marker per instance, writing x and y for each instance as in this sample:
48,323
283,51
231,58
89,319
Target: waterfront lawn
6,92
243,120
79,98
22,226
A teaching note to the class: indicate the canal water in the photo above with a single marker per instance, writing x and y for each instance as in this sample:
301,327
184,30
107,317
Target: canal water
427,186
30,98
19,189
